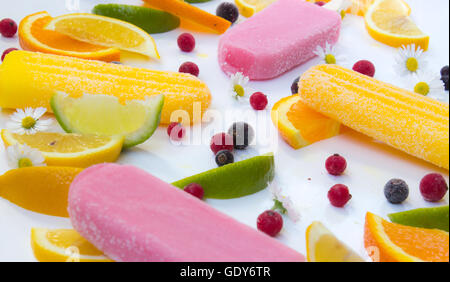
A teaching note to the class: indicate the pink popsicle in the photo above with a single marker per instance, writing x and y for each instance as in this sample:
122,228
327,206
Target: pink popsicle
133,216
277,39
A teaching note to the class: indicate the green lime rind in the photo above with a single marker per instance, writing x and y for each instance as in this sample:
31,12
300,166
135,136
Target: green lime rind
234,180
154,105
150,20
432,218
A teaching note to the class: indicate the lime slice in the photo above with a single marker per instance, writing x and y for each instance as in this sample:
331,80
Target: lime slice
104,115
150,20
432,218
234,180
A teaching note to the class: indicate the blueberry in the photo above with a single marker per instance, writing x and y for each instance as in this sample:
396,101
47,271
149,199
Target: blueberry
242,133
116,63
444,79
444,71
224,157
396,191
228,11
294,86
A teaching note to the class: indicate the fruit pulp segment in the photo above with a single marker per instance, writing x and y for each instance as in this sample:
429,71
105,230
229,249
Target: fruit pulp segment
425,244
59,41
30,79
65,238
313,126
86,29
59,143
83,114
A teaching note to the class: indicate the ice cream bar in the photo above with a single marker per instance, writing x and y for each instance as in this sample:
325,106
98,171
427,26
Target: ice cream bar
29,79
279,38
405,120
131,215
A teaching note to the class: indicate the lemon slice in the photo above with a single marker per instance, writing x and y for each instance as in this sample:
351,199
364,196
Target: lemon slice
105,31
63,245
388,21
63,149
248,8
104,115
323,246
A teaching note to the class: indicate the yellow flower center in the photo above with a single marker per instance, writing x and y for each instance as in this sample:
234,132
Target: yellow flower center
239,90
28,122
25,162
343,14
412,64
330,59
422,88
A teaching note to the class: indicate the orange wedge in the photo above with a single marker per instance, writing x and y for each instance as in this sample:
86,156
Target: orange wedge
299,125
33,37
390,242
190,13
388,21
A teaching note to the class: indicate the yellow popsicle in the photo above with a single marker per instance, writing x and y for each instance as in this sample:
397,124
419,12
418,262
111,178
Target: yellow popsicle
402,119
29,79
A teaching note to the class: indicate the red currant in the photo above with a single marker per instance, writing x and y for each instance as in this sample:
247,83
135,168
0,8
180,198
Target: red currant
176,131
258,101
336,165
7,51
8,27
221,141
433,187
189,67
195,190
365,67
339,195
270,222
186,42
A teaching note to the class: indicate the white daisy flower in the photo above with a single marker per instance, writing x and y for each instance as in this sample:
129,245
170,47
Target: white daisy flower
239,85
428,84
340,6
28,121
20,156
329,54
409,60
283,204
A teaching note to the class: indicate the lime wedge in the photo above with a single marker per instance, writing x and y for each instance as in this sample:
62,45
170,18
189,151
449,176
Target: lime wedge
432,218
103,115
150,20
234,180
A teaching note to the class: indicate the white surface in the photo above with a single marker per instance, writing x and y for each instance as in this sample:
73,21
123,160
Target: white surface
370,164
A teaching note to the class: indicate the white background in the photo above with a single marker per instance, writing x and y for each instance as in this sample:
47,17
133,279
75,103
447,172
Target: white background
370,164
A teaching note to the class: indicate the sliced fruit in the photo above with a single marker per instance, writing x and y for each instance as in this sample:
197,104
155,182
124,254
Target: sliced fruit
391,242
103,115
248,8
64,149
150,20
63,245
425,218
33,37
105,31
388,21
191,13
234,180
323,246
299,125
41,189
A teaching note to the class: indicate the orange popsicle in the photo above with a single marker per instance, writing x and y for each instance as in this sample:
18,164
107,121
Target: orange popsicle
30,79
402,119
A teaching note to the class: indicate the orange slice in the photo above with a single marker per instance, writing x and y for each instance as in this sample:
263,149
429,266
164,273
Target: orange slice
299,125
190,13
390,242
33,37
388,21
